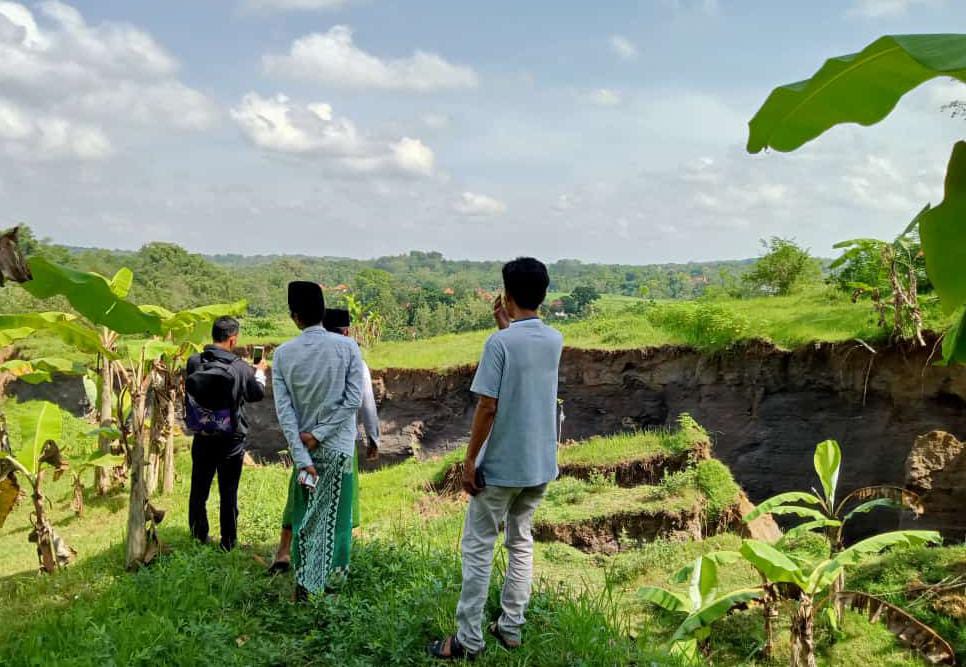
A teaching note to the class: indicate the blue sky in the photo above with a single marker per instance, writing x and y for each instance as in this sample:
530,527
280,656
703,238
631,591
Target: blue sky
598,131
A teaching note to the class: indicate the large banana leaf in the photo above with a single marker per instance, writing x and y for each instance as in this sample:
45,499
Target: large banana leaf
954,342
40,370
194,325
766,507
665,599
122,281
943,232
714,611
718,557
880,495
41,421
818,524
91,295
704,582
63,325
828,462
873,545
858,88
772,563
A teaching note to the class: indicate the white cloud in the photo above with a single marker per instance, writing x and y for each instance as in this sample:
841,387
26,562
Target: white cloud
26,136
887,8
476,205
624,48
604,97
332,58
877,184
73,77
279,125
293,5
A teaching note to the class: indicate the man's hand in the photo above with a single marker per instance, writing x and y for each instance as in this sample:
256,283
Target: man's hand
309,441
372,451
262,366
469,477
310,470
500,313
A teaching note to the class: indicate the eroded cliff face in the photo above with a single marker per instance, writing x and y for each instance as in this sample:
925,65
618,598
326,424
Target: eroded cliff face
936,470
765,408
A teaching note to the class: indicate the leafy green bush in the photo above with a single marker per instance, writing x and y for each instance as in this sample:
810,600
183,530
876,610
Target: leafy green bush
718,486
703,325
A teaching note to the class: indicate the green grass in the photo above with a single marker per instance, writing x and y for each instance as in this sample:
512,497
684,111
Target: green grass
612,450
627,323
572,501
198,606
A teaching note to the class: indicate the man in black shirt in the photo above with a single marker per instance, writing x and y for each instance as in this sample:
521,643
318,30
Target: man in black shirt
221,451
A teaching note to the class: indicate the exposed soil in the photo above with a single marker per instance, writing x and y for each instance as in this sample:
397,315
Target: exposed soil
620,531
936,470
766,408
647,471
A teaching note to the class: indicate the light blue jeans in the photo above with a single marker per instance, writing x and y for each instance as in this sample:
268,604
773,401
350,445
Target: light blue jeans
493,506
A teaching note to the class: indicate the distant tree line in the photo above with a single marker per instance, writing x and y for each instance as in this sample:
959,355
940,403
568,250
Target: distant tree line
417,294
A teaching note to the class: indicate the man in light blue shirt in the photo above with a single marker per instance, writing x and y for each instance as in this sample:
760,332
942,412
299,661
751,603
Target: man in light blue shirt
510,459
317,379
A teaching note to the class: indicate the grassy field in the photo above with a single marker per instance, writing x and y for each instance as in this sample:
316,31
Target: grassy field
622,322
626,323
197,605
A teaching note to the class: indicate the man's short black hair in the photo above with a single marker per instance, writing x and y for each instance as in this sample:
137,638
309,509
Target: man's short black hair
305,301
526,280
224,328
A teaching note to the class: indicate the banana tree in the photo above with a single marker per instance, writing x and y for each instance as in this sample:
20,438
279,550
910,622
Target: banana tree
105,314
822,509
28,461
896,290
815,584
137,365
702,607
864,88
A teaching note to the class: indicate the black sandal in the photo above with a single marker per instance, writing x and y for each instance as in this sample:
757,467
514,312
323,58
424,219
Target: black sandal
456,650
279,567
508,644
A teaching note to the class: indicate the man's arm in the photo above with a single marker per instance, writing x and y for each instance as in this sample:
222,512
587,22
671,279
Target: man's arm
253,385
486,384
287,418
482,425
370,416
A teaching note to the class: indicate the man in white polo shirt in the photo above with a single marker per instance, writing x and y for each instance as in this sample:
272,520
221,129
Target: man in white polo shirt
511,457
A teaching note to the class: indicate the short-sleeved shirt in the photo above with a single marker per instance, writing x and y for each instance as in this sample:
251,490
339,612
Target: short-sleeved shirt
519,368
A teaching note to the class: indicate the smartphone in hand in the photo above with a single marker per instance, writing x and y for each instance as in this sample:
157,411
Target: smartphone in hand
258,353
307,480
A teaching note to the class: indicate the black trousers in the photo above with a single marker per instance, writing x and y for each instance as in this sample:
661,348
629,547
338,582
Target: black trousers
211,456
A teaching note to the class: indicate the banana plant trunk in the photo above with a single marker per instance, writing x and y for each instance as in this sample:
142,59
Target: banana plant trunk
770,608
103,477
153,474
42,529
170,415
136,535
803,633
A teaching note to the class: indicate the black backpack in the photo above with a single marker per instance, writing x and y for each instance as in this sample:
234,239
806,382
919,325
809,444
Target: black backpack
210,404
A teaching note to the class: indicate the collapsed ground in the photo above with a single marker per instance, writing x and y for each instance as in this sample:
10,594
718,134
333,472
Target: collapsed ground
628,511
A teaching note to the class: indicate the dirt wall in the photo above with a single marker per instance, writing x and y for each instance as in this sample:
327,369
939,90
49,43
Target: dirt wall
765,408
